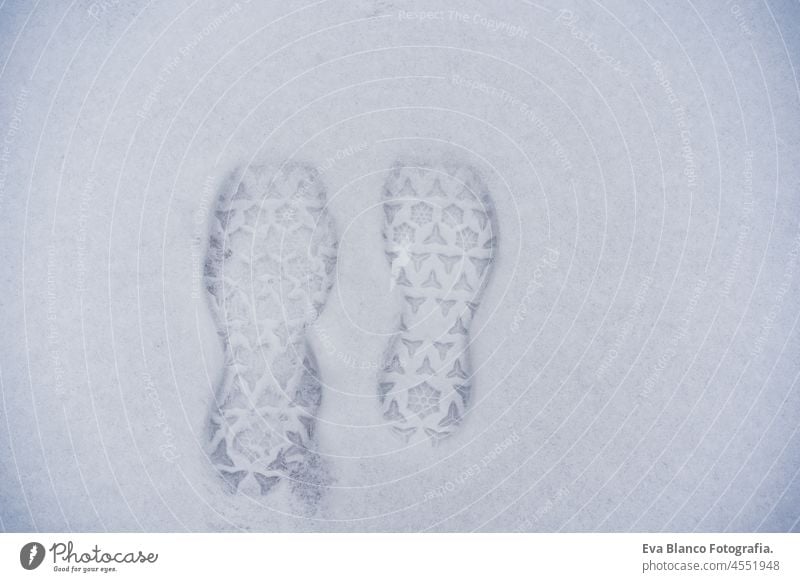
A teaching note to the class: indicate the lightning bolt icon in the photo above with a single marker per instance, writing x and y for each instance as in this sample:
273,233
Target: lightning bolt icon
34,551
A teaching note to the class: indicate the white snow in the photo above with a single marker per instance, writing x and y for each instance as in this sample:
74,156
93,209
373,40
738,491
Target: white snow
636,351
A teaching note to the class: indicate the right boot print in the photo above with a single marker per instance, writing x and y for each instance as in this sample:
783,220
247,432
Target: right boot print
439,240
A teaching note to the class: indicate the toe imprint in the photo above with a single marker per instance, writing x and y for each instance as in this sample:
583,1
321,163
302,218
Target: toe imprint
440,245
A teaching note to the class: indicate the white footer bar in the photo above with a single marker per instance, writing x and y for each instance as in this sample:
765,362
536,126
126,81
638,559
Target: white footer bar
388,557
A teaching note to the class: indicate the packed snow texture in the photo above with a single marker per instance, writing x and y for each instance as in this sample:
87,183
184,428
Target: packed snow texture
635,355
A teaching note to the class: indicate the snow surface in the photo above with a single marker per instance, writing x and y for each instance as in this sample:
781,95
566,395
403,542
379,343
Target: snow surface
636,351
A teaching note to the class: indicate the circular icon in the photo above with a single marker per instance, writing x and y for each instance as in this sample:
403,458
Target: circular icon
31,555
